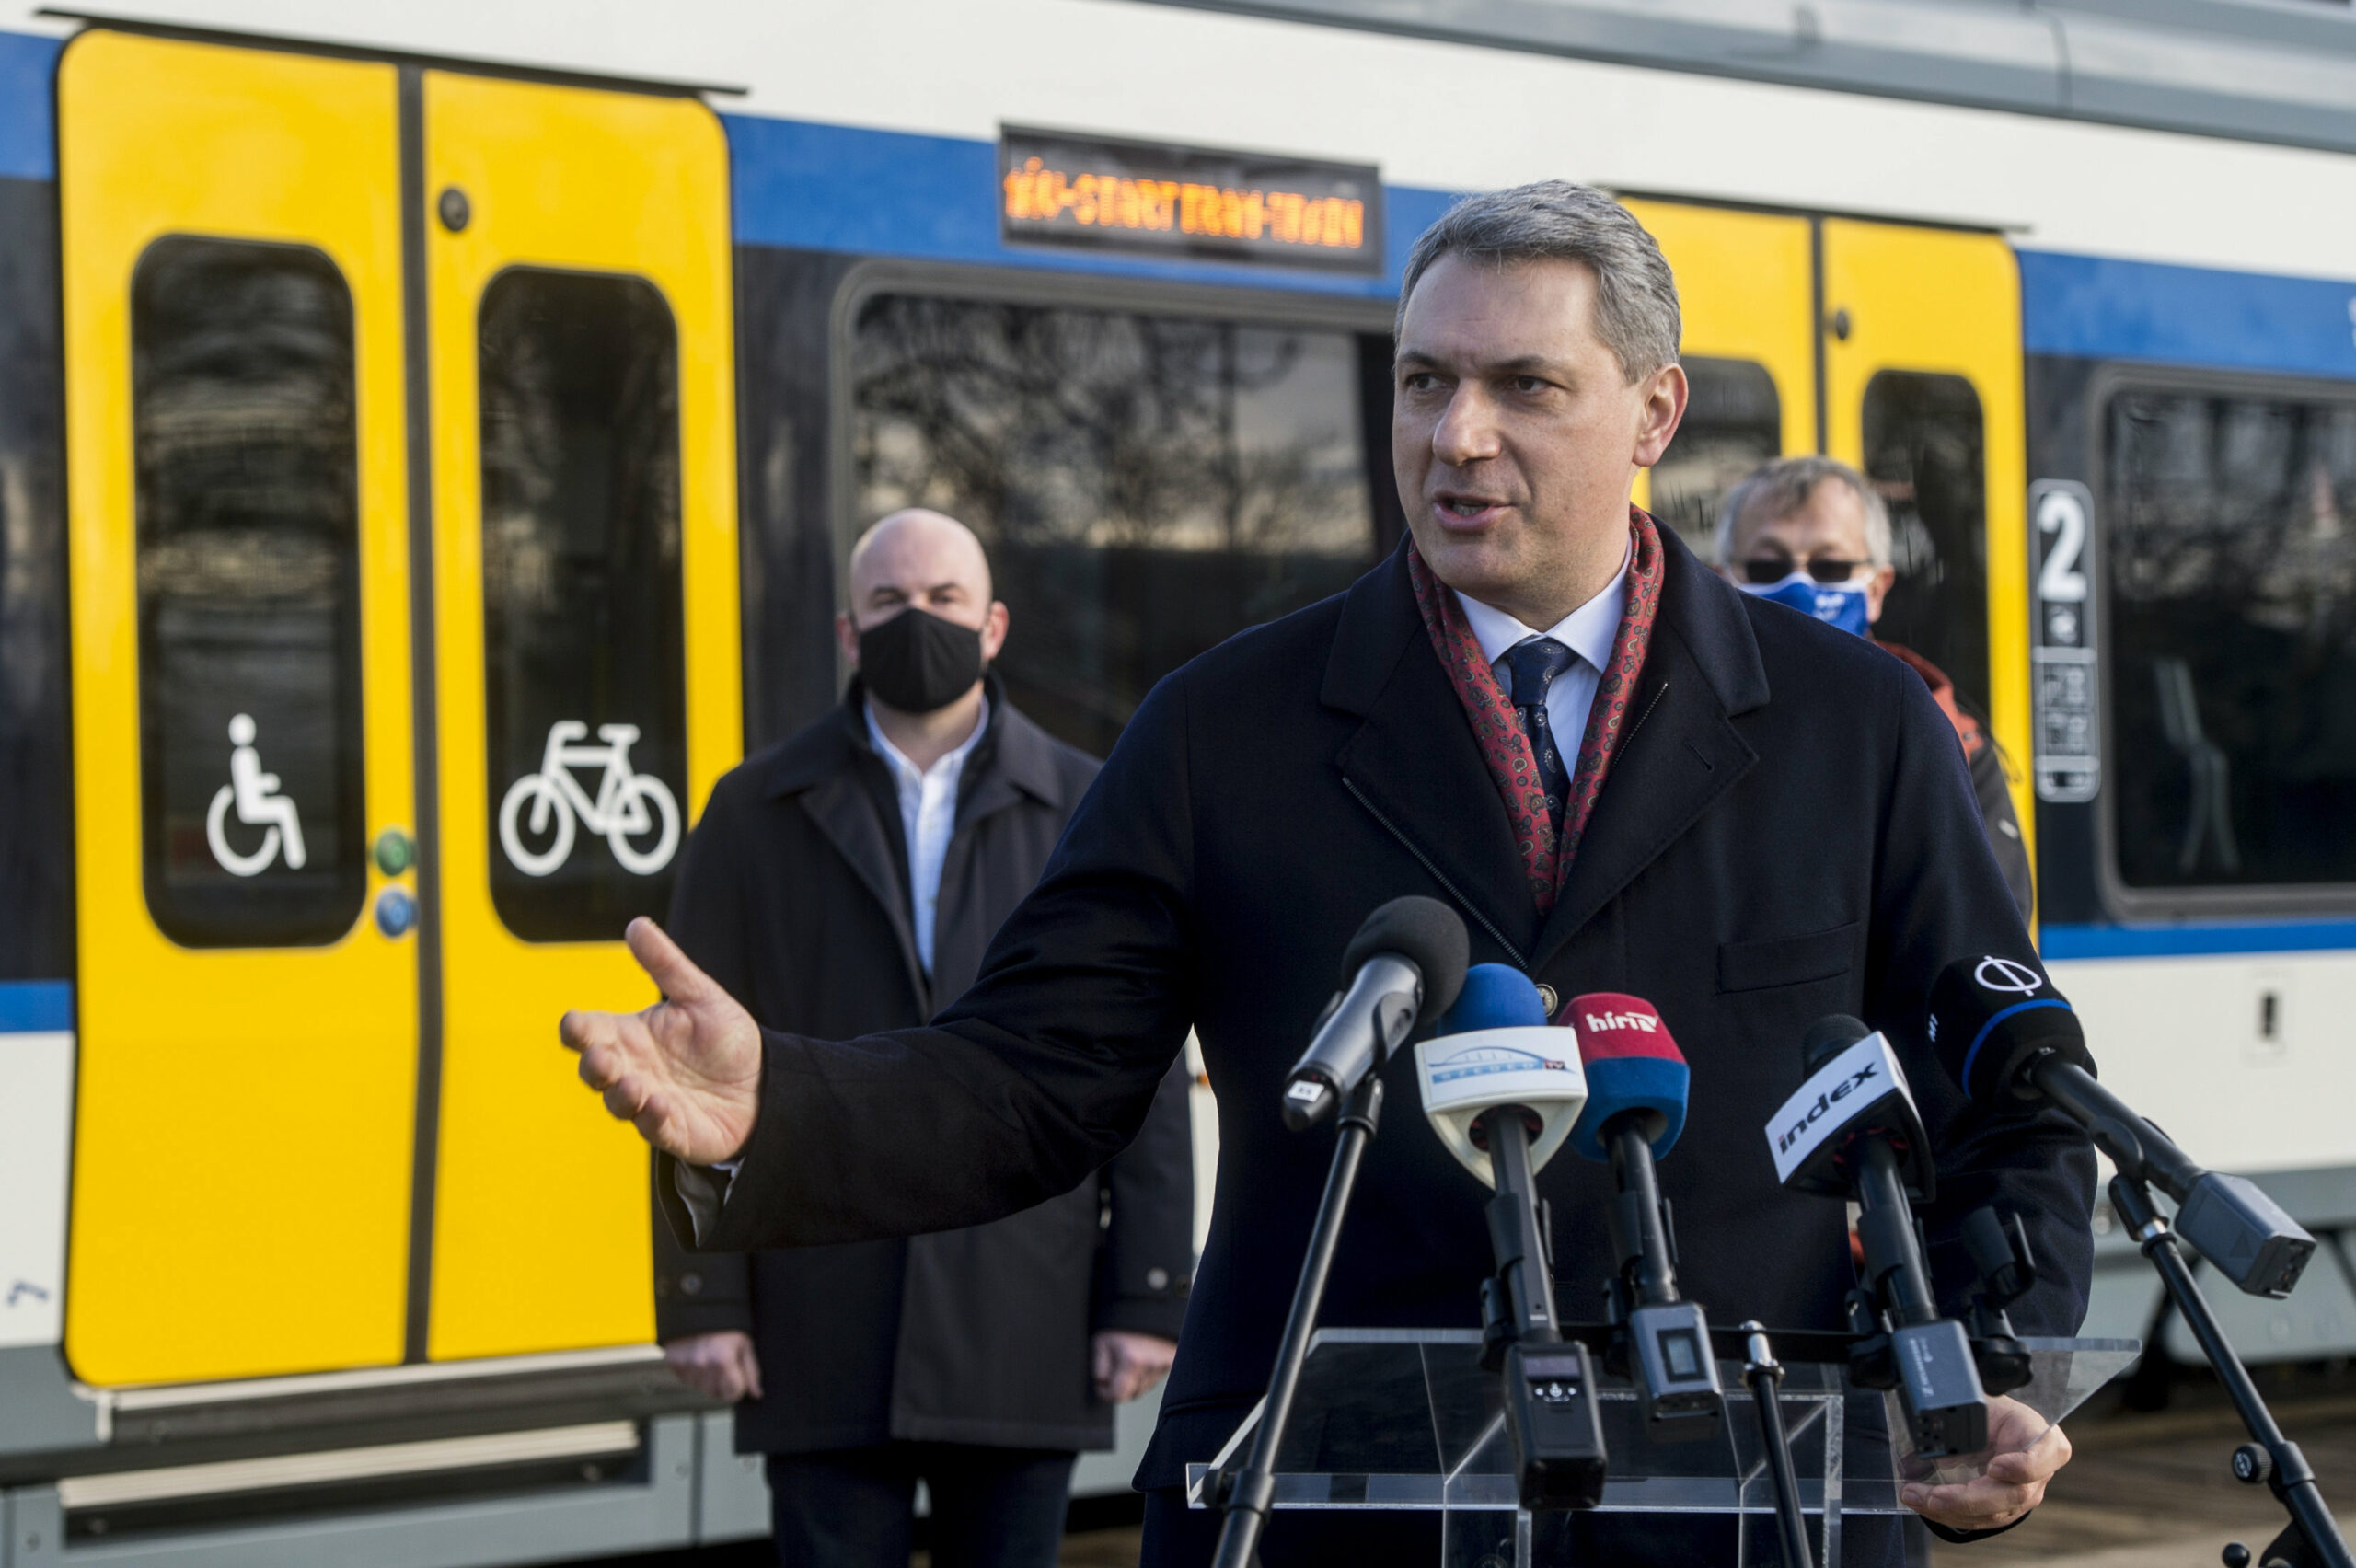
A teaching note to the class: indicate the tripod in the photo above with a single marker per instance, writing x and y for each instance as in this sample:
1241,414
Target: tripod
2312,1538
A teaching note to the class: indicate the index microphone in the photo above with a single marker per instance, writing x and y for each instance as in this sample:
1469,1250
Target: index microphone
1855,1089
1853,1129
1494,1048
2009,1037
1401,970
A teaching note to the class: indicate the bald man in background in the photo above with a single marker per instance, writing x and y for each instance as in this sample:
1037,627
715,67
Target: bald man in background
846,881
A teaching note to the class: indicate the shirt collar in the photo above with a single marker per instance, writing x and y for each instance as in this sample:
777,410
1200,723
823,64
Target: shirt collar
1588,631
952,762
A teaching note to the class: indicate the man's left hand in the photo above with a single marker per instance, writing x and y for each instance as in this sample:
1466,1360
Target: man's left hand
2025,1453
1126,1365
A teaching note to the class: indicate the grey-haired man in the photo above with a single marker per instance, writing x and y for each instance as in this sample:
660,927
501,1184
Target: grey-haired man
1813,533
1415,735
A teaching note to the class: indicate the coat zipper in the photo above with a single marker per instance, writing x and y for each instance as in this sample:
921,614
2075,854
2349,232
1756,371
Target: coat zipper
1438,875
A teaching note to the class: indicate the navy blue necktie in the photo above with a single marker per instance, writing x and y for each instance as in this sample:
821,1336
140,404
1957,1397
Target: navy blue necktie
1530,667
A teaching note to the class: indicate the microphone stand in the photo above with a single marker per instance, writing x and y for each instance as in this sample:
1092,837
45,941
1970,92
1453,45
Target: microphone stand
1523,1307
1253,1493
1765,1376
1551,1412
2314,1536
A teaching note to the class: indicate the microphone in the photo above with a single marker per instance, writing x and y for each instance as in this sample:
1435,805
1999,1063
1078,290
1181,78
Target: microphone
1400,972
2009,1037
1502,1092
1853,1129
1494,1048
1636,1083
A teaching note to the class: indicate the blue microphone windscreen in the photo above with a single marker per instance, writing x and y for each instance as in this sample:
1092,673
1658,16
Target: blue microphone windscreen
1496,996
1631,1083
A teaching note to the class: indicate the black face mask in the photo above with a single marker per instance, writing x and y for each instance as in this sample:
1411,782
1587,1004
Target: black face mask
916,661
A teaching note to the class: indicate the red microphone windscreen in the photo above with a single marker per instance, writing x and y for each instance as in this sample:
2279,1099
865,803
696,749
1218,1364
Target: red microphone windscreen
1611,1023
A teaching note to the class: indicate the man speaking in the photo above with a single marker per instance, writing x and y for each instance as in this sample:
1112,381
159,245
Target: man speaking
1625,775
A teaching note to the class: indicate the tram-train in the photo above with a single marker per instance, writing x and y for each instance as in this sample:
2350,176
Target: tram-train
429,435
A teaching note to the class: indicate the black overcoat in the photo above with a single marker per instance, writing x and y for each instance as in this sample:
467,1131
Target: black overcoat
1787,831
793,895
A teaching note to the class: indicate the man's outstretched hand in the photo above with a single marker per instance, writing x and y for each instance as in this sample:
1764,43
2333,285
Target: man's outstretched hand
686,1072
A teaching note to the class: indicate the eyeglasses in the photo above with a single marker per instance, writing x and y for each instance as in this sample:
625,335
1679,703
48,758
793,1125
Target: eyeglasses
1823,569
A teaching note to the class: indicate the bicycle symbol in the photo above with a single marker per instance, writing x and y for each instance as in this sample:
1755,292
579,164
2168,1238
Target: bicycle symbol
628,805
255,794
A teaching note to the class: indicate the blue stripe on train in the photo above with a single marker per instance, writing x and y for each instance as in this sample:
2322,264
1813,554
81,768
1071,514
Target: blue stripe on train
2188,941
30,1007
2090,307
809,186
28,143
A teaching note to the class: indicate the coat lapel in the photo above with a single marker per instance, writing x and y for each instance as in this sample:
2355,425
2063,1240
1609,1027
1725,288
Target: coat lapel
1413,765
1683,752
1015,763
824,780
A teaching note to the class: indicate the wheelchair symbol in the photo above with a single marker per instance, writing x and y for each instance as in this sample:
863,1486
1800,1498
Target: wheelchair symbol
255,794
628,804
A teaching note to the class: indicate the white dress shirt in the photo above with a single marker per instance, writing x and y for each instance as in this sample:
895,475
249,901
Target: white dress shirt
928,817
1588,631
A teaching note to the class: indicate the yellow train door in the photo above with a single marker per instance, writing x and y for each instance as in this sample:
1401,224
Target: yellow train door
401,490
233,330
1744,281
577,270
1896,349
1923,384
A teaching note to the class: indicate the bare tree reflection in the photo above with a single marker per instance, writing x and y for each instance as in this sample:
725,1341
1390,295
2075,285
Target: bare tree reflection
245,456
1733,423
2229,554
1147,485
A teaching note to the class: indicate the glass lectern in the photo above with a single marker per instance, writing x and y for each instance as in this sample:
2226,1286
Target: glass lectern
1407,1419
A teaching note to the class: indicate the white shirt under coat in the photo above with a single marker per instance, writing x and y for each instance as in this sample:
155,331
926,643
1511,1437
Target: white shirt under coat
927,818
1589,632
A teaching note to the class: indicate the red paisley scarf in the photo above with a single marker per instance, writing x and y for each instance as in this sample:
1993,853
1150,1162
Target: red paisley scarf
1505,748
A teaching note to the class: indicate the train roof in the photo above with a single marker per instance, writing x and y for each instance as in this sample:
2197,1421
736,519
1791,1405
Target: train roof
2279,70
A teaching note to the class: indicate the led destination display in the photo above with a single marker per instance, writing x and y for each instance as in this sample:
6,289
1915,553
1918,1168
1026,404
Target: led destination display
1155,199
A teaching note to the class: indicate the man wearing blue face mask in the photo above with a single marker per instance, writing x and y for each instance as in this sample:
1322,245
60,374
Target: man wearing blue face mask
1811,533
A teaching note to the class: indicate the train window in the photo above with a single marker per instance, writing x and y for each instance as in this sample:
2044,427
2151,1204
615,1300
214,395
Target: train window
248,514
1925,453
2231,569
1146,484
1733,423
583,652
